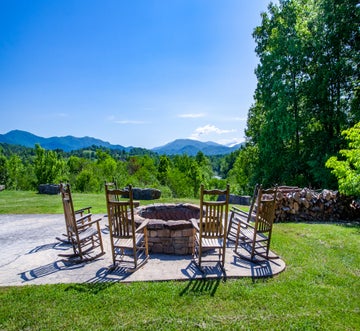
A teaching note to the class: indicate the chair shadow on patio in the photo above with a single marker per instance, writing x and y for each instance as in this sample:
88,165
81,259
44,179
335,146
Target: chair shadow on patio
110,275
257,270
62,246
48,269
209,271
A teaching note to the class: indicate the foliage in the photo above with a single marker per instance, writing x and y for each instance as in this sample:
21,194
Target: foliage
241,175
306,92
48,166
88,170
347,168
3,169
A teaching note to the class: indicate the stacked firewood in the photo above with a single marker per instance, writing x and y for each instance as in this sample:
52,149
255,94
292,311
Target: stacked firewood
304,204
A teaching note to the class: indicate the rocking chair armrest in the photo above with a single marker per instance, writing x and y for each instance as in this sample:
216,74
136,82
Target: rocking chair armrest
243,224
239,212
242,214
80,211
84,217
142,226
195,224
84,225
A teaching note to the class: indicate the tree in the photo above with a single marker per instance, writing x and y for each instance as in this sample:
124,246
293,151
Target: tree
275,122
307,89
205,168
86,181
163,169
334,77
105,167
15,171
179,184
346,168
241,176
4,175
48,166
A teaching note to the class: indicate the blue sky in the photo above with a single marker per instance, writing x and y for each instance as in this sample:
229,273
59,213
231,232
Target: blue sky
136,73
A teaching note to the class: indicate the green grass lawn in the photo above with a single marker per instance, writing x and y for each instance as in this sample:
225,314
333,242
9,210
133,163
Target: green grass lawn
319,290
20,202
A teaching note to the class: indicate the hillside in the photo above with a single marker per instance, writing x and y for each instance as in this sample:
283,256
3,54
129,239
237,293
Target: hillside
71,143
192,147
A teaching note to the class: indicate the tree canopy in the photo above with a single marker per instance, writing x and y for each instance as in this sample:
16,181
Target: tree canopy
307,91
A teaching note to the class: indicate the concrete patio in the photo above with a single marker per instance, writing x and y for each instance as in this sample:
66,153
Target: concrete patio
29,256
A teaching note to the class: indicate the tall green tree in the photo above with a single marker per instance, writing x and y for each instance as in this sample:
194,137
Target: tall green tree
333,69
275,122
307,81
163,169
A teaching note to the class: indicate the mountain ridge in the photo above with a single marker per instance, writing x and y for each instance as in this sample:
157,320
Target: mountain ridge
69,143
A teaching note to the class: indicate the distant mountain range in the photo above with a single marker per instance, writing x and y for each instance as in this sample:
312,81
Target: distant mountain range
70,143
192,147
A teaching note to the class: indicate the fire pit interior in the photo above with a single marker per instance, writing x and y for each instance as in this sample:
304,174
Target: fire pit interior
170,230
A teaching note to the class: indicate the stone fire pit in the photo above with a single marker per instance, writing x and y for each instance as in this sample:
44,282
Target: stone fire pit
170,230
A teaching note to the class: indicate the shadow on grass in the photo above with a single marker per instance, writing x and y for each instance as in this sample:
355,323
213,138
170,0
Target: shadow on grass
201,286
261,270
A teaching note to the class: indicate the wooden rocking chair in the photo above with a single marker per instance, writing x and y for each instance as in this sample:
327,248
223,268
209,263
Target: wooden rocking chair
253,238
129,245
210,232
82,232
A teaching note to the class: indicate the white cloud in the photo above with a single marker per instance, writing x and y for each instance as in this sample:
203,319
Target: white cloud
207,130
192,115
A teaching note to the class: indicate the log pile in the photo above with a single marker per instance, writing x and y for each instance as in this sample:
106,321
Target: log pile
303,204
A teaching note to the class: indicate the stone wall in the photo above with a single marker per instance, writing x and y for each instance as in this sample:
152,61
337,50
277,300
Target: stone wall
237,199
49,189
145,194
170,229
168,241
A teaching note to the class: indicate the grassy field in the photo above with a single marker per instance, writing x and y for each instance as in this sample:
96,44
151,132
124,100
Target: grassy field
319,290
20,202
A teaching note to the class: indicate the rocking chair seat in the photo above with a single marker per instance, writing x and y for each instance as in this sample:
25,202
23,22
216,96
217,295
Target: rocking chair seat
210,242
86,233
128,242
